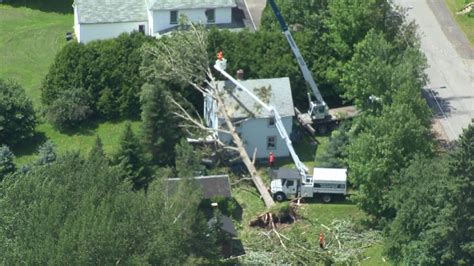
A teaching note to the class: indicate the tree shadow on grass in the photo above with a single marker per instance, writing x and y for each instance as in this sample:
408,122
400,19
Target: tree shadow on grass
53,6
30,146
87,128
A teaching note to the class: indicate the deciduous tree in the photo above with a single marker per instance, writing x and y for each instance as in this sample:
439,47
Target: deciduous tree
79,211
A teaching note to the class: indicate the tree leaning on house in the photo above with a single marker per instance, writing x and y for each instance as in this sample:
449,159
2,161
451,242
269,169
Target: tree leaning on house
184,58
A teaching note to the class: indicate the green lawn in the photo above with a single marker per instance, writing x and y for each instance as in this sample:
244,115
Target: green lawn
29,41
465,22
315,214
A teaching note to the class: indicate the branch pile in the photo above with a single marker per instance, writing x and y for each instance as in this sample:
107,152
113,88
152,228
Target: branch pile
345,244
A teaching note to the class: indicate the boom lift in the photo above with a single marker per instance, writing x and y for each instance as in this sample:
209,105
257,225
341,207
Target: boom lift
318,111
290,183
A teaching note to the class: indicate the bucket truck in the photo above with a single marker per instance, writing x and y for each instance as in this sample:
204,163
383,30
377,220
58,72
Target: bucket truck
318,112
297,182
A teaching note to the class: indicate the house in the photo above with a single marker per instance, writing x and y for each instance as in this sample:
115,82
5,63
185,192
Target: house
103,19
217,187
254,124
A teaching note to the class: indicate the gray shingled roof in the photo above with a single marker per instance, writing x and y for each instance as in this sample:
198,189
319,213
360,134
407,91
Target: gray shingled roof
275,91
107,11
211,186
189,4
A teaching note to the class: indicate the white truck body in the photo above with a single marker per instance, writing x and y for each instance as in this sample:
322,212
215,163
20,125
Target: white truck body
326,182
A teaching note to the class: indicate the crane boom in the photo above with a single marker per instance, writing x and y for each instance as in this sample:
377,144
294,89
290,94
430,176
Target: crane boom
302,169
308,77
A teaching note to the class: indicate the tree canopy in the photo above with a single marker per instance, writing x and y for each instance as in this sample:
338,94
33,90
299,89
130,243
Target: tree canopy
17,117
435,209
79,211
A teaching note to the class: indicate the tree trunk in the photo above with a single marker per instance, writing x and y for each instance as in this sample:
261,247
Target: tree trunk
267,198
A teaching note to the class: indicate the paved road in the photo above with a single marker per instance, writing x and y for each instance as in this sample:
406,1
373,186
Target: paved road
450,89
255,7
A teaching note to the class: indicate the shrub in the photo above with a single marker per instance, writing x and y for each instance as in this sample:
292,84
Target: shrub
17,117
70,109
6,162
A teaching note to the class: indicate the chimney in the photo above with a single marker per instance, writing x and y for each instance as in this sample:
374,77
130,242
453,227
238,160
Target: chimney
240,74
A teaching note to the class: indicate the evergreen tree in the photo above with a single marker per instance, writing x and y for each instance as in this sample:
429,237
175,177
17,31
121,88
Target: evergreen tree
46,153
130,158
7,166
334,155
17,117
97,150
160,129
188,160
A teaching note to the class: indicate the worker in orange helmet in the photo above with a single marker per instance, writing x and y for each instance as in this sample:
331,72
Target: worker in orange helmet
321,240
271,160
220,55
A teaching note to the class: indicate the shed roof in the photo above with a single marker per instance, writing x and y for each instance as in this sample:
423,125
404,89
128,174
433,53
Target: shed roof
110,11
189,4
330,174
226,224
274,91
212,186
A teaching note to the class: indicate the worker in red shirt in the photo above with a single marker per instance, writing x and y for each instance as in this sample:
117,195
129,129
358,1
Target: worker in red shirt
321,240
271,160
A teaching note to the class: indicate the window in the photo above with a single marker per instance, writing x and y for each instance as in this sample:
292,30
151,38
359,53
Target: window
290,183
271,122
211,15
173,17
141,29
271,143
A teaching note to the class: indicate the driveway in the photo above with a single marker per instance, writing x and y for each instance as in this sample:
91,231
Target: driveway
450,89
255,10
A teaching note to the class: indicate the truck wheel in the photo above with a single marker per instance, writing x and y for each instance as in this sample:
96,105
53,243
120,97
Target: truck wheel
327,198
280,197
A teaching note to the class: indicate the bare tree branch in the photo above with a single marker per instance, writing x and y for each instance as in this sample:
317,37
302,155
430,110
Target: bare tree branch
184,58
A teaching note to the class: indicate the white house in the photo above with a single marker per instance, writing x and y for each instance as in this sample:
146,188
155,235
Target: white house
103,19
254,124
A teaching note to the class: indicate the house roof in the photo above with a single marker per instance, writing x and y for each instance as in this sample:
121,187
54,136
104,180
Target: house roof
212,186
109,11
275,92
226,224
189,4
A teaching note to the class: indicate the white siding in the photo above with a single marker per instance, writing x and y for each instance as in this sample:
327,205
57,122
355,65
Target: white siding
254,133
90,32
223,15
161,18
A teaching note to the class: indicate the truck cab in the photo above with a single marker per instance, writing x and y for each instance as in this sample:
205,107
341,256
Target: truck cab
325,182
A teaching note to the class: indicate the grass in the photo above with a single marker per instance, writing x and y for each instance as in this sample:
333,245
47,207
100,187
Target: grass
29,41
466,22
315,214
109,132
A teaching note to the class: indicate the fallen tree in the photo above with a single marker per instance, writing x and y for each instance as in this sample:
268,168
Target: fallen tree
184,58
